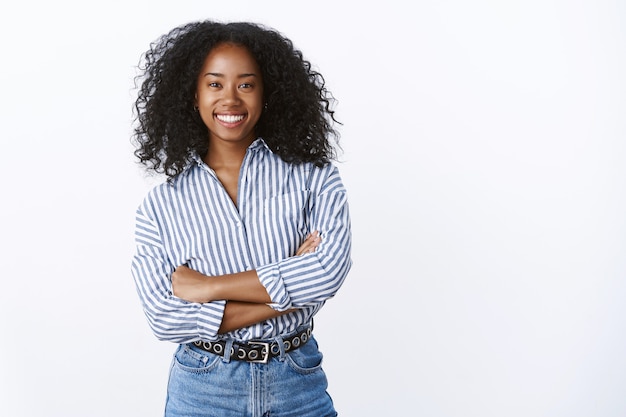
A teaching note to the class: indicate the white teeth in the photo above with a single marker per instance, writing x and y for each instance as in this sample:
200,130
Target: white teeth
230,118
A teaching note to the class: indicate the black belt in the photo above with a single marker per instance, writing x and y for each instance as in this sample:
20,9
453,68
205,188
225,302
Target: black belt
255,351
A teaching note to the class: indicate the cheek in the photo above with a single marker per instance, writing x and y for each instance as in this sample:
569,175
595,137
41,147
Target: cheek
205,104
207,119
206,114
257,105
203,100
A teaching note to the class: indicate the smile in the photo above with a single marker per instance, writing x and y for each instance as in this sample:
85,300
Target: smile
230,118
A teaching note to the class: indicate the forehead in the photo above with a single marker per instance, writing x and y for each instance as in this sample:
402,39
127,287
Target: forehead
228,57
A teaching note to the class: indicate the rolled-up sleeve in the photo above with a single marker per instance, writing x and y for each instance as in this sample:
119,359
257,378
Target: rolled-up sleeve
170,318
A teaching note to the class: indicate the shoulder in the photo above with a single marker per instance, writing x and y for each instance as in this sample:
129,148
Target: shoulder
326,178
167,192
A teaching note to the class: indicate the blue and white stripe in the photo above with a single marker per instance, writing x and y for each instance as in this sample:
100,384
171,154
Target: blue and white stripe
193,221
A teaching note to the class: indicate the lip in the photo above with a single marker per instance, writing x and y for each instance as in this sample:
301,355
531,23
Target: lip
230,119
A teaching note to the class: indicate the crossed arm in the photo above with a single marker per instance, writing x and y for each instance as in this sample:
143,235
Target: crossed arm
246,297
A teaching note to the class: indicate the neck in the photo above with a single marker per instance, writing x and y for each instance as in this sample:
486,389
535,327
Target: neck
226,154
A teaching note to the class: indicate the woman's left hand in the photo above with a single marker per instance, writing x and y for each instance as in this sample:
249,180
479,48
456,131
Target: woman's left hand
310,244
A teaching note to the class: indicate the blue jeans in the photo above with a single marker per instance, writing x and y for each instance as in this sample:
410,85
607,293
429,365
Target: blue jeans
293,384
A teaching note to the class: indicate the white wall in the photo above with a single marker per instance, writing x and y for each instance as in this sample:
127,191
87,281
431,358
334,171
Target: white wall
484,155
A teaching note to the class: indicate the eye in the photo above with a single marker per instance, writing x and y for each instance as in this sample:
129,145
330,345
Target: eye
214,85
245,85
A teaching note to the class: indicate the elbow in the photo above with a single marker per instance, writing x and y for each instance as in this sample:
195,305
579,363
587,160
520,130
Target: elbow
337,282
338,274
331,282
162,332
167,331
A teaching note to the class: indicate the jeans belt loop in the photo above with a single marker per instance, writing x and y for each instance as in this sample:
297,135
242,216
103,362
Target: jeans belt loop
228,350
281,346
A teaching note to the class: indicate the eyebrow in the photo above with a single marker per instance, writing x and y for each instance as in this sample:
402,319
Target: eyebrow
219,74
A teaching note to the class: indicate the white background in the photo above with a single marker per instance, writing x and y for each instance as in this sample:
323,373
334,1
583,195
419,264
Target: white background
484,149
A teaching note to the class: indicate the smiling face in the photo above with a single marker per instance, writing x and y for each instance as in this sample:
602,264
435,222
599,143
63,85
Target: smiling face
229,95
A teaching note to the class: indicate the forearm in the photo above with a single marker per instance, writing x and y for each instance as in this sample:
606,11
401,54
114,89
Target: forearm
239,314
245,286
196,287
241,286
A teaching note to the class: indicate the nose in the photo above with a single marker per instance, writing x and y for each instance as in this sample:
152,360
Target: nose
230,95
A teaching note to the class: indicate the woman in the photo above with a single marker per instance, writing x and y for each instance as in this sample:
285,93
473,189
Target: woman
250,234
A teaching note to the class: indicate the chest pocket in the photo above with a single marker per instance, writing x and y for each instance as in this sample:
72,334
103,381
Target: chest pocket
293,208
286,213
286,219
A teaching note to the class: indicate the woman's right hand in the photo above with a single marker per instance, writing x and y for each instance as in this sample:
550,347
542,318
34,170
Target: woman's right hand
310,244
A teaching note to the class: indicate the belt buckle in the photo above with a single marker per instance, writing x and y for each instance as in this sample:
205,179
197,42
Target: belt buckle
264,357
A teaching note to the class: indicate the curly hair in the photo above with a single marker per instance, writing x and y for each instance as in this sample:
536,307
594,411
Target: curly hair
298,121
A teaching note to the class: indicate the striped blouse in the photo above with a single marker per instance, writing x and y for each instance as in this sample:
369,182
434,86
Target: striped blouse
193,221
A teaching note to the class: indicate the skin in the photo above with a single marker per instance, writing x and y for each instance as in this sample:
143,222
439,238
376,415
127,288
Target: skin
229,98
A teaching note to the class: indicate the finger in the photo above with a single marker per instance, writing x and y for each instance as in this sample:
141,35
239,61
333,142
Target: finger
310,244
301,250
306,246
